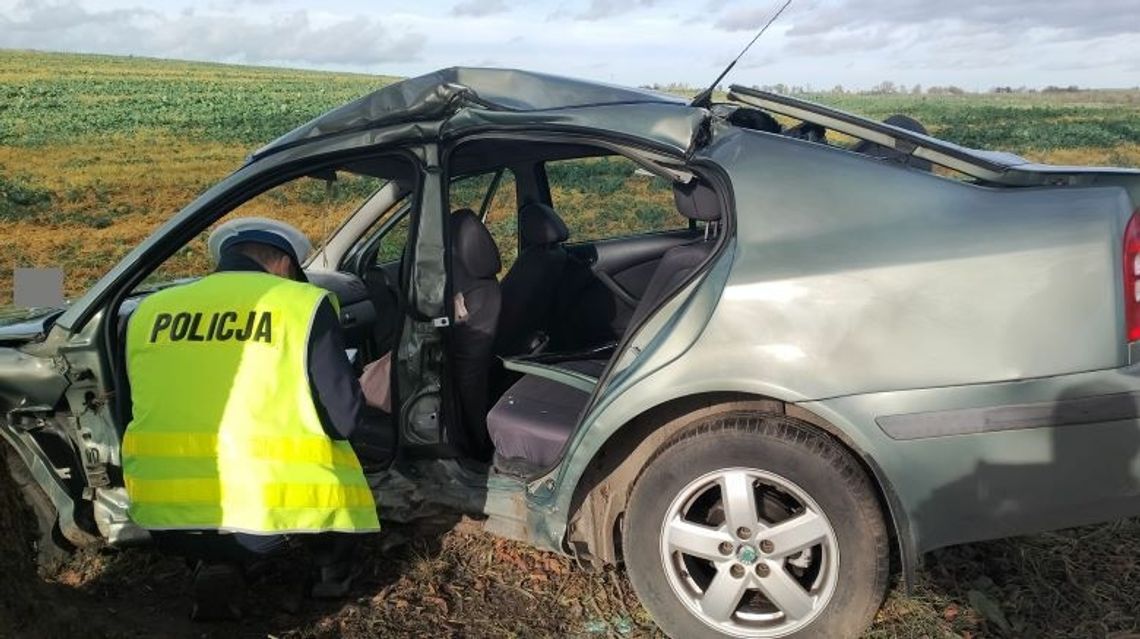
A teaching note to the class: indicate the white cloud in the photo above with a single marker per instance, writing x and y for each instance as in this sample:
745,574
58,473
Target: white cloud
292,37
744,18
857,43
602,9
479,8
975,43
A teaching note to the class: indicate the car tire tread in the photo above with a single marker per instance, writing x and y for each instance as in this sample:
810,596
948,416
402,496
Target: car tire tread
51,548
782,431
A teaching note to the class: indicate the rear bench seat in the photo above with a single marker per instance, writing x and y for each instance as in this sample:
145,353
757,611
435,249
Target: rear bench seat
531,422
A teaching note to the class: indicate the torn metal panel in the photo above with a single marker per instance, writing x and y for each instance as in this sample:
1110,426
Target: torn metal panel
26,325
426,488
41,469
436,95
429,270
26,379
671,127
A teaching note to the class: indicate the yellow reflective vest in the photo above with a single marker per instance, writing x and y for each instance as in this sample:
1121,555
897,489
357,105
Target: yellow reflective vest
226,434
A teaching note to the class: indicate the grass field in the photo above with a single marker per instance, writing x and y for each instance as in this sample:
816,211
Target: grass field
113,146
96,151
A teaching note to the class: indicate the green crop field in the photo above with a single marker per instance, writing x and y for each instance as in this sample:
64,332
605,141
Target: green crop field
112,146
53,99
96,151
1027,124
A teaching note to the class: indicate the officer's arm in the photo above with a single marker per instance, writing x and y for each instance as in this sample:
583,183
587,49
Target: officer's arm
336,390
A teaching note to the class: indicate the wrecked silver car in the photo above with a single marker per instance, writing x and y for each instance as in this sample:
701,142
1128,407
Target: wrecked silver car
783,366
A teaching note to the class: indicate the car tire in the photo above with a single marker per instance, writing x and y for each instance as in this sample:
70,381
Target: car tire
50,546
803,485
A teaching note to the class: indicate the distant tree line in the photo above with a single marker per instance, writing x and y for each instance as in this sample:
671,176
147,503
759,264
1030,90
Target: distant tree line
883,88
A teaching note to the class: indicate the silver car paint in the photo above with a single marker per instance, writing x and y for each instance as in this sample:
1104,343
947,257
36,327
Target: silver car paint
921,282
970,487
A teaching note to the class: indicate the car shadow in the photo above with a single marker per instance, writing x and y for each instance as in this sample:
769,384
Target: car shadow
135,592
1088,476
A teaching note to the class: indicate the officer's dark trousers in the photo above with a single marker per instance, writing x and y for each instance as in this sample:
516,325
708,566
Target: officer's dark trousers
328,549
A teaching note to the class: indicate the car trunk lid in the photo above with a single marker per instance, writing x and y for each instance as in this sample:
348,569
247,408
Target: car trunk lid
995,167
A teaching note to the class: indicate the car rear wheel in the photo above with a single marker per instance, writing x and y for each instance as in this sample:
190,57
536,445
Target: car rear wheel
756,526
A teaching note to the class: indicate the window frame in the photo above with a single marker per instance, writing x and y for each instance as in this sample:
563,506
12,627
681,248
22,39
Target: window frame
488,196
488,199
364,255
687,224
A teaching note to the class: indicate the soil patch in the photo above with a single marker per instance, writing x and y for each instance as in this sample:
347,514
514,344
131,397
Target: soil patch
20,585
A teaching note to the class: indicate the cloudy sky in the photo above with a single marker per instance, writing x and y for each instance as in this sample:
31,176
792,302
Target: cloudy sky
975,44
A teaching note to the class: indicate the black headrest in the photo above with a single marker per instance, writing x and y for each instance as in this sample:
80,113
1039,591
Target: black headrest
472,245
754,119
697,201
893,155
539,224
906,122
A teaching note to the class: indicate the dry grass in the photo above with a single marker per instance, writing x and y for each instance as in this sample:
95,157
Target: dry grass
109,195
1127,155
1077,584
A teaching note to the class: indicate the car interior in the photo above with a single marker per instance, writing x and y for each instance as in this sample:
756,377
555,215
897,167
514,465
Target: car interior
564,302
532,420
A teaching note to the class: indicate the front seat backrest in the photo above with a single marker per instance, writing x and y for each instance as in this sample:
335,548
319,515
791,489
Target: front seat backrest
696,201
531,285
475,266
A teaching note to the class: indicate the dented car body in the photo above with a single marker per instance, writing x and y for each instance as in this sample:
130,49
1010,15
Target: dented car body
964,345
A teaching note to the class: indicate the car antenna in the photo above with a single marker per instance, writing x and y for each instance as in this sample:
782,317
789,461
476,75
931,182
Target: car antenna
704,98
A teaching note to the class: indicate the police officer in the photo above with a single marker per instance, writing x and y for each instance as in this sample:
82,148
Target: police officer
243,403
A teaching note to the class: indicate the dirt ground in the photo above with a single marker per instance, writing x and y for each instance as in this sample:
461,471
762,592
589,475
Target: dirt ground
437,580
454,580
17,569
461,584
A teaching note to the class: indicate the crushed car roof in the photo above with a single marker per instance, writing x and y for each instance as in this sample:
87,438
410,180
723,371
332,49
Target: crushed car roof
439,94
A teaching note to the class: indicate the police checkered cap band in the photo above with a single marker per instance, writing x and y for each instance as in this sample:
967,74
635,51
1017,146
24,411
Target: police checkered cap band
262,230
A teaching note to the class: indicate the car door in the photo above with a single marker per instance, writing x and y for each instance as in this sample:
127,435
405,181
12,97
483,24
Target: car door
425,391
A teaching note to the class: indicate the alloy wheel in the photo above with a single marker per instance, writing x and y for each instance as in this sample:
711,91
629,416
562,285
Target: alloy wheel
749,552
